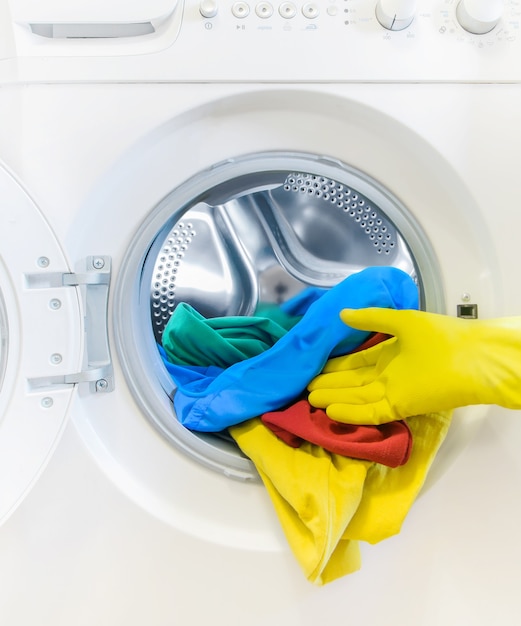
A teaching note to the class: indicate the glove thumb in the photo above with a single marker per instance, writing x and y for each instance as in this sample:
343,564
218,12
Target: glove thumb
373,319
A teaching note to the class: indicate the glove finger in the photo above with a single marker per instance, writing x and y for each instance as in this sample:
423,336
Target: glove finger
343,379
322,398
366,394
365,358
369,414
375,319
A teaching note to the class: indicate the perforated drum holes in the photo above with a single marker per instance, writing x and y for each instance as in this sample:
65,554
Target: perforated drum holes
163,289
360,210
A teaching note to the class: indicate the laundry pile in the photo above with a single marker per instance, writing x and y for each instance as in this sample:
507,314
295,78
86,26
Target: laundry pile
332,484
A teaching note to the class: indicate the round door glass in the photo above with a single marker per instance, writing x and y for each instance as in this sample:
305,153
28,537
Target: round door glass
251,233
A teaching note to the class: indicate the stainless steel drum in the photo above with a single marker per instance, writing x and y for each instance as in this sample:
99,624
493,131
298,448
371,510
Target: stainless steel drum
265,236
254,229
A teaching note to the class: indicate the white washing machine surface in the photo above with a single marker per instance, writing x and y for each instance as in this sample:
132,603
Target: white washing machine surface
192,133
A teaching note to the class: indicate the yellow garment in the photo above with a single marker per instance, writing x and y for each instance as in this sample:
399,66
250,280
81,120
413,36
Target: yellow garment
433,363
327,503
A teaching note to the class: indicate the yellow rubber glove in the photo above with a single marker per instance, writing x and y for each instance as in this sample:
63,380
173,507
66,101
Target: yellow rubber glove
432,363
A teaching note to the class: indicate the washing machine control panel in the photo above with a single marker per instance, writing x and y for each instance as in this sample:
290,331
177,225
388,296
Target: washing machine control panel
267,40
343,40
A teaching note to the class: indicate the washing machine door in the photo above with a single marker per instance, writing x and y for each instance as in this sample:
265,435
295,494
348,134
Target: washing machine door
42,345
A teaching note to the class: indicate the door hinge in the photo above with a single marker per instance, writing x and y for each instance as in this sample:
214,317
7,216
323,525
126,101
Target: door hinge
94,283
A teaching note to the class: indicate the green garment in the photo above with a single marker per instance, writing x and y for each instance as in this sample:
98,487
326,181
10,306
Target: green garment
191,339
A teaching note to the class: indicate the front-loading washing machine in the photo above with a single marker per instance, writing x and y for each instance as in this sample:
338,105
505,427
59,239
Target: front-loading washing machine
217,153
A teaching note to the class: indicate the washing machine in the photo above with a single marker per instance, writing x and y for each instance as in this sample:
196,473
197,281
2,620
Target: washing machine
218,153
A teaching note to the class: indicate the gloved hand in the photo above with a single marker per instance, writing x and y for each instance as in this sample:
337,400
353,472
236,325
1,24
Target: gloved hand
432,363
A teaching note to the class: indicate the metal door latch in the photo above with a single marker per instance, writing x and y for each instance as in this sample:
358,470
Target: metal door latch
94,285
468,311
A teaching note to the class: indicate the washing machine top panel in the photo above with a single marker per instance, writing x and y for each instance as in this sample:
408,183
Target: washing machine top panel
224,40
40,342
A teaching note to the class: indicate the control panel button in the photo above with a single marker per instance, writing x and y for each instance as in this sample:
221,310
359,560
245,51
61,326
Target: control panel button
332,10
208,8
240,9
287,10
310,10
264,9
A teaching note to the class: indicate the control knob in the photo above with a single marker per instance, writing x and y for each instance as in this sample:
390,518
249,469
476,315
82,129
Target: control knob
479,16
395,14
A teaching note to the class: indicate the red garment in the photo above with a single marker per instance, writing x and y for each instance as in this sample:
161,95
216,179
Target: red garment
371,341
389,444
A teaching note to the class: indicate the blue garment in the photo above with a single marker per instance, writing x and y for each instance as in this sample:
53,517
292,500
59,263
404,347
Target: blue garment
211,399
299,304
